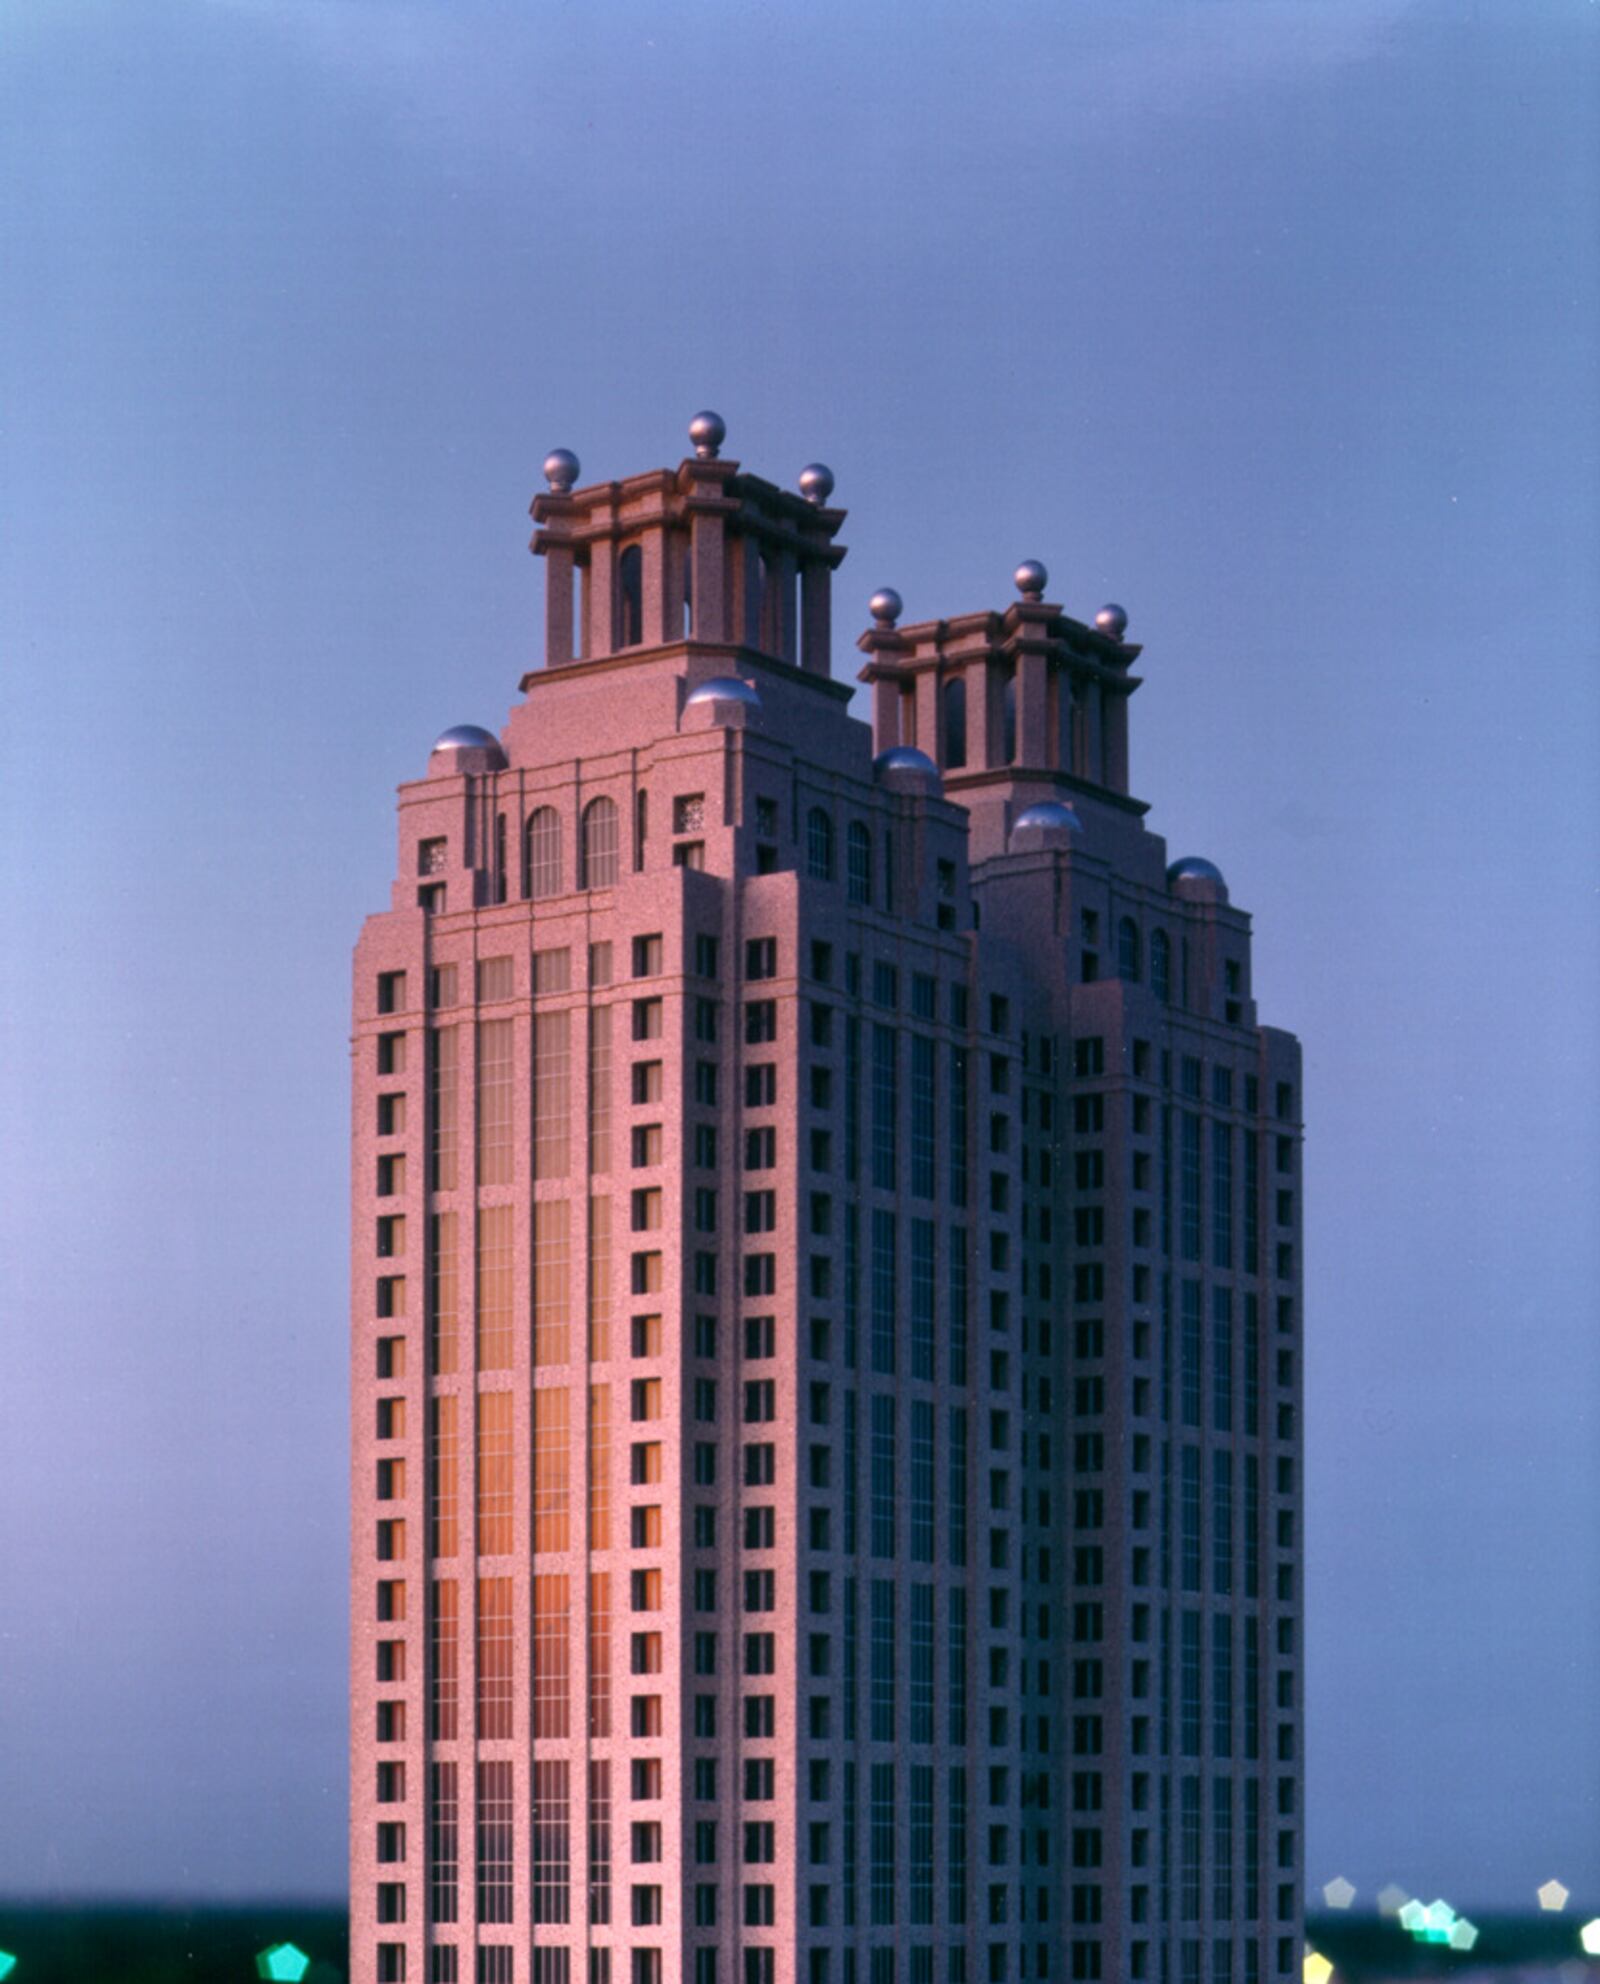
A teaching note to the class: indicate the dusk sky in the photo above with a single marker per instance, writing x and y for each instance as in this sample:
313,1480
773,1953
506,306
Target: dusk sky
1274,320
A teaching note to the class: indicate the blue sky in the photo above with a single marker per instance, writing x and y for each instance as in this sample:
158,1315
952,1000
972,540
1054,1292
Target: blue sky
1273,321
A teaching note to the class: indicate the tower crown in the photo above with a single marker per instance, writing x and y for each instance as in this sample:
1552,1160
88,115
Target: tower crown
1027,695
701,553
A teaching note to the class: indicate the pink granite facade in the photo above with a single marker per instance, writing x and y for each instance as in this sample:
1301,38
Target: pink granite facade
826,1311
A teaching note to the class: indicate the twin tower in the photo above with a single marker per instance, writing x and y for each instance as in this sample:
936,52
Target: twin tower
826,1308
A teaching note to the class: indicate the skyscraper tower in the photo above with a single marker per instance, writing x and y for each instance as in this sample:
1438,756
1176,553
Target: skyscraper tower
826,1309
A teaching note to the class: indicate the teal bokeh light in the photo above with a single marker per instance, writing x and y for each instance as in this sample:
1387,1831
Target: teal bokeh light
283,1961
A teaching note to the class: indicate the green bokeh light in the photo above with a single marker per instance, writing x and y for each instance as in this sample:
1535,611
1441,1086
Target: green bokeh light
283,1961
8,1963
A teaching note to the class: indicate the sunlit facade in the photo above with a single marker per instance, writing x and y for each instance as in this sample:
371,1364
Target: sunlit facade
826,1310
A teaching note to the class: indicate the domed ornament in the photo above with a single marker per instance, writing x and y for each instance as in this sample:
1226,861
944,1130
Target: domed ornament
886,606
708,431
1030,579
561,470
1112,621
816,483
1049,815
724,689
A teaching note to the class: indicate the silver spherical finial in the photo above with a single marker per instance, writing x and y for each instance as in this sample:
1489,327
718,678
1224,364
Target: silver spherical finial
816,483
886,606
1030,579
561,469
1112,621
708,431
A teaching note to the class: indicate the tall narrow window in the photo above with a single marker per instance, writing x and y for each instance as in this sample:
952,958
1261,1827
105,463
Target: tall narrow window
495,1498
444,1294
444,1841
630,602
600,1089
819,844
541,854
444,1661
1008,717
552,1661
494,1288
600,1655
922,1484
600,1842
1128,950
599,1280
551,1870
552,1095
858,863
494,1659
922,1299
444,1461
1161,966
442,1050
955,722
885,1474
495,1827
551,1470
881,1626
552,1281
599,849
599,1467
494,1047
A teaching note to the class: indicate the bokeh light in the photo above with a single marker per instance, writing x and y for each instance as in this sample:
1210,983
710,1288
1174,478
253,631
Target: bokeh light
283,1961
8,1963
1589,1937
1553,1897
1463,1934
1339,1893
1392,1899
1316,1969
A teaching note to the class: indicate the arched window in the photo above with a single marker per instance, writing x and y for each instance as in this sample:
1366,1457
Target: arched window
630,597
1008,718
1128,950
1161,966
541,854
955,722
858,863
819,844
598,865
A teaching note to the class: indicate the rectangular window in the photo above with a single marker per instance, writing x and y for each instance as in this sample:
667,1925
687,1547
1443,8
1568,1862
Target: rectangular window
494,1659
444,1463
444,1294
552,1095
882,1672
1189,1525
884,1277
552,1281
885,1107
883,1827
600,1654
885,1475
1189,1186
1222,1360
444,1842
551,1841
494,1047
1189,1684
923,1117
494,1288
958,1465
551,1469
444,1661
922,1481
1189,1355
922,1299
959,1126
496,1822
1222,1685
920,1690
494,1474
1222,1524
600,1089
